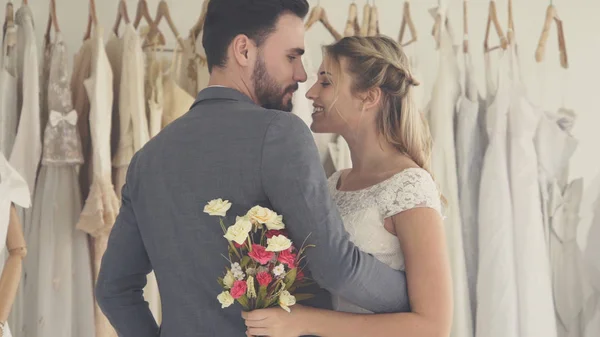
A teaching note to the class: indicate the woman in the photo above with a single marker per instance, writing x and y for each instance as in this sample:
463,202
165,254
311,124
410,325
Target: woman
388,200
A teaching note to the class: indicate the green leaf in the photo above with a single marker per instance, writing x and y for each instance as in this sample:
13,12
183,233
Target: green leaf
220,280
243,300
303,297
290,277
245,261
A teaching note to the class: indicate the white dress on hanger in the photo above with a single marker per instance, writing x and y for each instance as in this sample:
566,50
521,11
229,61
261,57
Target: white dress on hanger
497,314
27,149
8,92
363,212
13,189
59,289
470,148
441,112
534,288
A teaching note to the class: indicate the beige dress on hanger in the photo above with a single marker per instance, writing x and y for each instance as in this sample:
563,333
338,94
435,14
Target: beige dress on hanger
101,205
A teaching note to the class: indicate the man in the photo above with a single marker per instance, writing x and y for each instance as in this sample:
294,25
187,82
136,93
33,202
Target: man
235,143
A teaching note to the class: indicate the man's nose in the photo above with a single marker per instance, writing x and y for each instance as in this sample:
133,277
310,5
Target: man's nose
300,74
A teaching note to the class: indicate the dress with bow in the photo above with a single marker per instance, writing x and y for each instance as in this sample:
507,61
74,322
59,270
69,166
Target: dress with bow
58,292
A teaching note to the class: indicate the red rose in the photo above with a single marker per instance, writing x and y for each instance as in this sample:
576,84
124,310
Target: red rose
264,278
273,232
260,254
237,245
287,257
299,275
239,289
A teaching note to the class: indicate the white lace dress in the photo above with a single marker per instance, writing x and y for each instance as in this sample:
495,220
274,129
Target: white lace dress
364,211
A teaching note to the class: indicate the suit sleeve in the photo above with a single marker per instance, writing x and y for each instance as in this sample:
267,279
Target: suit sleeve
295,183
122,277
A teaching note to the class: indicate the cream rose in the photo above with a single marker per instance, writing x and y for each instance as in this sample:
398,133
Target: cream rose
228,280
217,207
261,215
239,231
286,300
278,243
276,223
225,299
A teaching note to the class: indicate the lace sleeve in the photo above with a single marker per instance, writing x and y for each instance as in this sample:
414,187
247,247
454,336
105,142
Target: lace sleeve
409,189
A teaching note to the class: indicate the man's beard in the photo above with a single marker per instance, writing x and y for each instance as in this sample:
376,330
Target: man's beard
268,92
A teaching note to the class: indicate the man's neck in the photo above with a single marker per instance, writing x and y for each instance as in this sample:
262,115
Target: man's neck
220,78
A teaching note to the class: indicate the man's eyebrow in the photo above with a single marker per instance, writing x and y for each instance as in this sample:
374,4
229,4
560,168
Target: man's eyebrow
298,51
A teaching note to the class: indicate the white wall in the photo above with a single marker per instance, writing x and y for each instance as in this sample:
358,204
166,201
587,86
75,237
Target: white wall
582,28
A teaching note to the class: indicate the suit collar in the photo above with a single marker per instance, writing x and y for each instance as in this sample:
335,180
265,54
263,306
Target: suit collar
221,93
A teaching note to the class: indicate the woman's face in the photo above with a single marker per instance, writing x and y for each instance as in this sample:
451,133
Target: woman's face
336,109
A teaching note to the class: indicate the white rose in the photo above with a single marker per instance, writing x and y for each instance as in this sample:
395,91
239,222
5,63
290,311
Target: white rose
217,207
286,300
238,232
276,223
225,299
278,243
279,270
261,215
228,280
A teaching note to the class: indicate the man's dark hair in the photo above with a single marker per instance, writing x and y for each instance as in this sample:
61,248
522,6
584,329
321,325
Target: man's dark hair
225,19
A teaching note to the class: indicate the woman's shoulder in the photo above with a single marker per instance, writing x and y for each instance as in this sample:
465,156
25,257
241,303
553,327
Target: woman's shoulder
411,187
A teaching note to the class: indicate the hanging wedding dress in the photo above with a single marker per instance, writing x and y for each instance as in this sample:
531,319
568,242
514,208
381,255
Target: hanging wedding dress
497,314
59,287
27,148
534,289
114,53
13,190
470,148
591,213
8,91
101,205
444,95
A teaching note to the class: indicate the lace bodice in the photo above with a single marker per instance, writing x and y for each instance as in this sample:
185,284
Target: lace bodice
62,144
363,212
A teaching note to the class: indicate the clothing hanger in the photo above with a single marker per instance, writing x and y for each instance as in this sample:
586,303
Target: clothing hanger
493,18
9,22
142,12
352,26
199,25
510,32
318,14
92,20
121,14
52,22
407,21
373,21
552,15
162,12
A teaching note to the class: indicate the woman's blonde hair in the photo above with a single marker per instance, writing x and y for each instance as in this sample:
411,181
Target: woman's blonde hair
379,62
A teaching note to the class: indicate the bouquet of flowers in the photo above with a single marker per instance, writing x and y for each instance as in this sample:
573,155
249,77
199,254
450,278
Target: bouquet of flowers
264,264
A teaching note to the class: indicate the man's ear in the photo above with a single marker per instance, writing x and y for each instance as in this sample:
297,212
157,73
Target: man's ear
243,50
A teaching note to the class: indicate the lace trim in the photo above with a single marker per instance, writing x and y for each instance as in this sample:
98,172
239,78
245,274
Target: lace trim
100,210
410,188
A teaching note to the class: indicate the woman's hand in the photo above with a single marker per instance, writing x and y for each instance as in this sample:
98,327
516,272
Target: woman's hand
276,322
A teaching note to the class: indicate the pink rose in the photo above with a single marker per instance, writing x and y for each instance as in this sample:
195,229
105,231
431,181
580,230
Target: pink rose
299,275
237,245
287,257
239,289
264,278
260,254
273,232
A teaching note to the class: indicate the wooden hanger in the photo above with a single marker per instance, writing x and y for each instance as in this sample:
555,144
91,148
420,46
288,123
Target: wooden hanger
493,18
552,15
352,26
199,25
162,12
52,21
142,12
121,15
25,2
364,28
510,32
373,21
92,20
407,21
318,14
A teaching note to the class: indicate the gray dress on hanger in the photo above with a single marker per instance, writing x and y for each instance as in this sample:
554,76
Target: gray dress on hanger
58,288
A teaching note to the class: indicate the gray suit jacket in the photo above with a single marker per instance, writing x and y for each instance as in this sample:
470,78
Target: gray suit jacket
225,147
